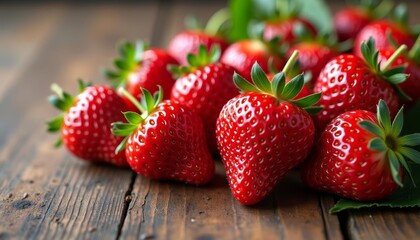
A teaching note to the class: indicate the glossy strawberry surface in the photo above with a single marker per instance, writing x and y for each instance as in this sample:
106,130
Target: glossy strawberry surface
284,29
189,42
244,53
378,30
150,73
206,90
347,83
349,21
411,86
170,144
260,139
343,164
86,129
312,57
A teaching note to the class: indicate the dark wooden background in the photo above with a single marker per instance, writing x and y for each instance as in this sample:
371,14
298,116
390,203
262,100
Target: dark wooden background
48,194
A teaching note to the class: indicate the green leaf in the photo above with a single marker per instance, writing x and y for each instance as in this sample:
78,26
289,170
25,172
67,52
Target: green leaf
372,127
395,70
308,100
133,117
215,53
397,78
398,123
411,154
377,144
58,143
148,100
293,88
410,140
260,78
278,83
202,54
192,60
394,164
121,64
243,84
383,116
121,146
55,124
401,159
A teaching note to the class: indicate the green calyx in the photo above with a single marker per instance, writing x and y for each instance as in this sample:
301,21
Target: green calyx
393,75
414,53
146,106
400,15
129,60
397,149
62,101
377,9
286,9
214,24
201,59
278,87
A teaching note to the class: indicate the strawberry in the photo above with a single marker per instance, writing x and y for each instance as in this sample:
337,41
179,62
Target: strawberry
361,156
382,31
411,61
349,83
141,67
262,134
166,141
85,124
244,53
190,40
283,23
350,20
205,86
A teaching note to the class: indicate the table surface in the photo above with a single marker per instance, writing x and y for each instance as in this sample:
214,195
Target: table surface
46,193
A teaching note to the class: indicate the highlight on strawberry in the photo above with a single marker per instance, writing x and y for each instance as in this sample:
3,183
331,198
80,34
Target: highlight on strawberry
263,133
165,141
362,156
84,125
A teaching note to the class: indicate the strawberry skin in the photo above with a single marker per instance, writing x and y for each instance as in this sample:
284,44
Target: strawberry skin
189,42
344,165
412,85
312,57
86,130
260,139
244,53
378,31
284,29
206,90
170,144
347,83
349,21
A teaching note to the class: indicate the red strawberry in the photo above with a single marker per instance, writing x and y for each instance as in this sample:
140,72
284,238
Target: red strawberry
359,155
262,134
244,53
383,30
349,83
283,29
85,125
190,40
350,20
205,86
166,141
138,68
412,85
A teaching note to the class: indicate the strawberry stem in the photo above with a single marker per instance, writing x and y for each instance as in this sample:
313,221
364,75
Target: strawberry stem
290,62
216,21
393,57
131,98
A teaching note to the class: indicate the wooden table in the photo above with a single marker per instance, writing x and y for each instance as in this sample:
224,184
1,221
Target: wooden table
48,194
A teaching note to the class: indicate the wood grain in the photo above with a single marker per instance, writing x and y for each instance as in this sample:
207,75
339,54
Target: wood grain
46,193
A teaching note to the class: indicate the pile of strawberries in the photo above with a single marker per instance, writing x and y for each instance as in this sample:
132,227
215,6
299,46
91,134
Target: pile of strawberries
265,105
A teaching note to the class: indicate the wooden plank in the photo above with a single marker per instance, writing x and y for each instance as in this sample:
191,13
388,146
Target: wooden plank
166,210
46,193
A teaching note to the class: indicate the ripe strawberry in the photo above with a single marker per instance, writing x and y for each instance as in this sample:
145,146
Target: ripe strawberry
262,134
359,155
349,83
411,61
166,141
138,67
350,20
190,40
85,124
243,54
205,86
383,30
